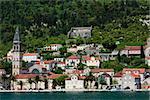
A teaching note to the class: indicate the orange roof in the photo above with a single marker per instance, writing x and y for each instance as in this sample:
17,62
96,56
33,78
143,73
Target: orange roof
86,57
48,61
81,77
25,76
53,76
118,74
73,57
30,54
61,63
78,71
135,76
96,70
141,70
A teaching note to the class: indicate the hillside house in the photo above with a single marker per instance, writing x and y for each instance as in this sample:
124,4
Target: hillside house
83,32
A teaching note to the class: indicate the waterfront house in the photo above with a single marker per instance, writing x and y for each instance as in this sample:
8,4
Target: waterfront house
131,81
22,82
75,82
83,32
117,78
72,61
136,71
28,57
132,77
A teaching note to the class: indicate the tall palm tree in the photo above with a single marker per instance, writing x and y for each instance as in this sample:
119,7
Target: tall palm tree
30,82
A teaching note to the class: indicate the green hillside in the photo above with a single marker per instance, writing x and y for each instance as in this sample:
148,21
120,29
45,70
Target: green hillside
47,21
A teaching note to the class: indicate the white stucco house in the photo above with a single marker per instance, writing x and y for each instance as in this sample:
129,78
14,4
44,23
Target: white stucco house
28,57
52,47
15,85
59,59
129,81
72,61
132,78
91,61
75,82
131,50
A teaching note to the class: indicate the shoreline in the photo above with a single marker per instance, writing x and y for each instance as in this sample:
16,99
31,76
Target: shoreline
69,90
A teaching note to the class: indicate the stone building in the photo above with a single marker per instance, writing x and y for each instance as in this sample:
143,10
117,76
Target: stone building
83,32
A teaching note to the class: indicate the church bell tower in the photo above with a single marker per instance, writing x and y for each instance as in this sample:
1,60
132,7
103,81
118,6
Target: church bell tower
16,61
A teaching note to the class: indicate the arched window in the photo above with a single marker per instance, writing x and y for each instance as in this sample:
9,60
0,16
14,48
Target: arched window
35,71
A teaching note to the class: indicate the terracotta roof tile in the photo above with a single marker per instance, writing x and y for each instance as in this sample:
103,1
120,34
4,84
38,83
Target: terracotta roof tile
141,70
73,57
132,48
25,76
118,74
97,70
53,76
135,76
30,54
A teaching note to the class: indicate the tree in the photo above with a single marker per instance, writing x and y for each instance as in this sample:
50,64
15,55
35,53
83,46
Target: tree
101,80
30,82
142,52
63,50
58,71
21,84
109,45
60,81
37,79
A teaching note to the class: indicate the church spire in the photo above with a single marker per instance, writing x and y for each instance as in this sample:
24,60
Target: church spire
16,36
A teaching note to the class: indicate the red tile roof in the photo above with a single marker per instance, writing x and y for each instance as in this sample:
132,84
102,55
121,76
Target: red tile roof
89,58
48,61
135,76
86,57
141,70
97,70
118,74
53,76
132,48
77,71
30,54
61,63
25,76
73,57
81,77
147,58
